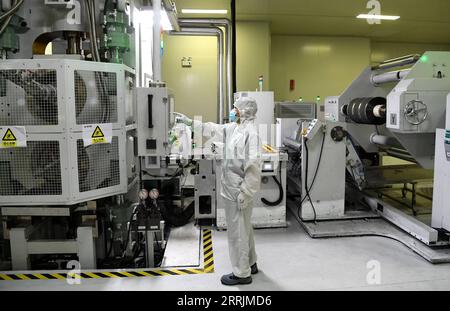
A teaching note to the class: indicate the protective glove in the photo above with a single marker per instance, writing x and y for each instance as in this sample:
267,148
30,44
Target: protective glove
243,201
181,118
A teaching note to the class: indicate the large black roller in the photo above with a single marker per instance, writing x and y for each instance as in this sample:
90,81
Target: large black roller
368,110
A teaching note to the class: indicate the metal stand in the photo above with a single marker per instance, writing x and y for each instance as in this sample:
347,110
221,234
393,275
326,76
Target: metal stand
149,249
22,247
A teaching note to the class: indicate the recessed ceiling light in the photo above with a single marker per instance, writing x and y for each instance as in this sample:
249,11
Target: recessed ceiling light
200,11
374,16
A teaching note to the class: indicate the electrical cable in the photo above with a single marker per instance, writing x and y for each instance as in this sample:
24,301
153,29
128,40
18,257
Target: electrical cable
5,25
13,10
90,9
281,197
377,129
318,166
9,17
178,173
104,91
94,29
308,194
124,247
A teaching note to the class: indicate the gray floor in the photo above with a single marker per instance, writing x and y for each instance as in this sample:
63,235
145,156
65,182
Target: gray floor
291,260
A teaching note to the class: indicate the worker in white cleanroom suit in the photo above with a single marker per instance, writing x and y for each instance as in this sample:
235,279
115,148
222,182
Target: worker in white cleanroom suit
241,180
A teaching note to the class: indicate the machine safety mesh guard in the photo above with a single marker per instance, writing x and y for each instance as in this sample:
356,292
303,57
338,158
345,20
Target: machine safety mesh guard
98,165
95,97
31,171
28,97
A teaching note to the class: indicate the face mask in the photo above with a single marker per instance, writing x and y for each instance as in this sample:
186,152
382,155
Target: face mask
233,116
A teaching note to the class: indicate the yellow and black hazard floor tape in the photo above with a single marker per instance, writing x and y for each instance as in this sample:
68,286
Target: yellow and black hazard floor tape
208,267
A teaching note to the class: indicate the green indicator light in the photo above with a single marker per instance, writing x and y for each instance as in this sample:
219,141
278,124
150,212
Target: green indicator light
300,99
424,59
318,98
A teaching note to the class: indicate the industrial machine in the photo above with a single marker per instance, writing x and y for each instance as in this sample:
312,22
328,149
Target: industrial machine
289,116
441,196
386,137
72,87
389,118
270,202
316,170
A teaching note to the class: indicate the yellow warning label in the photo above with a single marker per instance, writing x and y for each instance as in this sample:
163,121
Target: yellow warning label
9,140
98,137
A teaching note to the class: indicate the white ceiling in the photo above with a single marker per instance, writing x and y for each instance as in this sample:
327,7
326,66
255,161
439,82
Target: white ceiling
422,21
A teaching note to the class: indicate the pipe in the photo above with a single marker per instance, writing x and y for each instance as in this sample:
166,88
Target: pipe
388,77
397,62
192,31
157,77
171,13
225,23
233,29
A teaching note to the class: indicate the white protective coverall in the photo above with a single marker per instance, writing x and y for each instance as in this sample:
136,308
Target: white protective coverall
240,181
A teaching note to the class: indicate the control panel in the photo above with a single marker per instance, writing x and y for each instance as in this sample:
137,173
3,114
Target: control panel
332,109
313,128
154,120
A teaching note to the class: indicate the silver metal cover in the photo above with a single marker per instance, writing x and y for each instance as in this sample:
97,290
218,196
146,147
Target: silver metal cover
296,110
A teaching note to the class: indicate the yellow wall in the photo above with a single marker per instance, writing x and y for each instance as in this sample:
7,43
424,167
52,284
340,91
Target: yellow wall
325,66
196,87
387,50
253,55
321,66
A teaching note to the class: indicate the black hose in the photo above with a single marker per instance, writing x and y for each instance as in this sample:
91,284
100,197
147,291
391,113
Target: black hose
317,169
308,194
280,199
124,247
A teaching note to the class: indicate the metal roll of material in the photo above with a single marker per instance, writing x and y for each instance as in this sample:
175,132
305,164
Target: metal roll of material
368,110
388,77
397,62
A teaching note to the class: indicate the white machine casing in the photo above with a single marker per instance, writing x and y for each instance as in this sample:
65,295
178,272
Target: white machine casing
263,216
154,120
56,168
328,192
441,196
